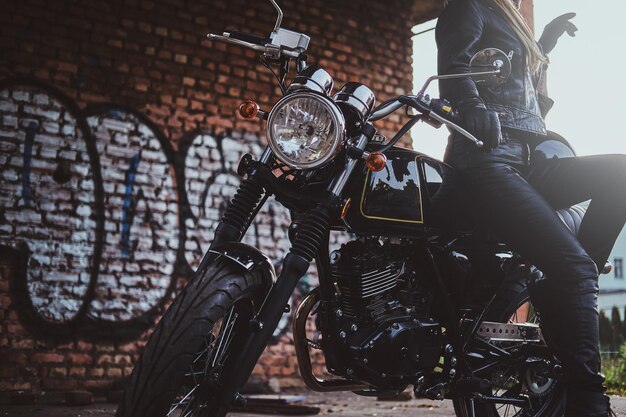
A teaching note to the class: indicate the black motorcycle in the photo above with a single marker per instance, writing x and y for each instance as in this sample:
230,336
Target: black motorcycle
420,297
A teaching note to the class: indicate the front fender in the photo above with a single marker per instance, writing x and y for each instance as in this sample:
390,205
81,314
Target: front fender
247,258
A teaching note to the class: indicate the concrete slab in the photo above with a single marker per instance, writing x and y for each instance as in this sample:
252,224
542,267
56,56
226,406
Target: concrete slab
333,404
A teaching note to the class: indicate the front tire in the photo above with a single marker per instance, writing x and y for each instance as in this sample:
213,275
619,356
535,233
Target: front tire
192,347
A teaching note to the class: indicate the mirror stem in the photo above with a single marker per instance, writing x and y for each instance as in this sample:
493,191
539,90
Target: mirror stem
452,76
279,20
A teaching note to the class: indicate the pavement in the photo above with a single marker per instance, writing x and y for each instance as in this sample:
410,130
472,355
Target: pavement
330,404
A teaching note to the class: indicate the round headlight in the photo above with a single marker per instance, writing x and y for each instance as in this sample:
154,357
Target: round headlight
305,130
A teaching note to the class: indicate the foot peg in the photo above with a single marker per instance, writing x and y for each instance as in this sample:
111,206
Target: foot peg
438,392
474,386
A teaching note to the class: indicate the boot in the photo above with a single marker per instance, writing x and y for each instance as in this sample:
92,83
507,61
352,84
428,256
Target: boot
570,323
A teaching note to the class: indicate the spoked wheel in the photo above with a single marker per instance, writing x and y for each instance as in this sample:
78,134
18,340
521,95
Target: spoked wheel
201,384
531,378
192,350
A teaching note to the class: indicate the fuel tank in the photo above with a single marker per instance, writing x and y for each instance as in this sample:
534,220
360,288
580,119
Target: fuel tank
411,195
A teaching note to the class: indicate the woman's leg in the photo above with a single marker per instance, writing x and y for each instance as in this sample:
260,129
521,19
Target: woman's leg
599,178
568,181
568,299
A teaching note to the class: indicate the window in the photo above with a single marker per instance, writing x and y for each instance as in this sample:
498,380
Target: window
618,265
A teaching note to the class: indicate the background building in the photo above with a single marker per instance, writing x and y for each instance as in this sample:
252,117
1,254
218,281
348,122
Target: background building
613,285
118,148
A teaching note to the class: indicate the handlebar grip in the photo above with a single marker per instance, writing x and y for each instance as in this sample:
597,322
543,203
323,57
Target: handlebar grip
248,37
443,109
442,112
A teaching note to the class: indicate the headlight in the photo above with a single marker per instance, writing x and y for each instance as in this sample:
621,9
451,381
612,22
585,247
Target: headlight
305,130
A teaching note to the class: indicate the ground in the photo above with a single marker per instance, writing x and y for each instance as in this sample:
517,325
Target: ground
332,404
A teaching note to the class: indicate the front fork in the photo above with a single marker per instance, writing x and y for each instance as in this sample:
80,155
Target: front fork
313,231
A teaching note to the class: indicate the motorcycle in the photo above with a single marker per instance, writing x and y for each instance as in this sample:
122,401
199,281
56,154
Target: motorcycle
420,297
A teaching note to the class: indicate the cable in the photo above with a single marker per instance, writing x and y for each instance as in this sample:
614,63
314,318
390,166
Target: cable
401,133
281,83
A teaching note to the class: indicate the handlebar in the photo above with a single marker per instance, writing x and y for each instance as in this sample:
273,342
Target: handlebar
430,108
249,37
257,43
452,125
385,110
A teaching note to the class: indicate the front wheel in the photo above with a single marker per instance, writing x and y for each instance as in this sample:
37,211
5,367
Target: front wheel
192,348
545,395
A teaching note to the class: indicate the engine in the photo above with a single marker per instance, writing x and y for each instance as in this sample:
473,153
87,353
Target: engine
380,330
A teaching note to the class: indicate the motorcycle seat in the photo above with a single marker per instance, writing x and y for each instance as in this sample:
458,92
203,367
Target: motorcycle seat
572,217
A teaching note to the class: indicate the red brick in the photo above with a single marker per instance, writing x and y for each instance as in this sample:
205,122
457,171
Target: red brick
79,358
47,358
104,359
122,359
95,372
84,346
14,386
97,384
77,372
57,372
67,67
14,356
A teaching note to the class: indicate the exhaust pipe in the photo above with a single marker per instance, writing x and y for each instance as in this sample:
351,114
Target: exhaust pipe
304,358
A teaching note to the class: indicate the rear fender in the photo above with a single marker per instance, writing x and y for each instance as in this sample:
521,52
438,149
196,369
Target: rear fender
247,259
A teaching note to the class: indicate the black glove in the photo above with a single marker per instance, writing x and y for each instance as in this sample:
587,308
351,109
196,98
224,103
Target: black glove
555,29
484,124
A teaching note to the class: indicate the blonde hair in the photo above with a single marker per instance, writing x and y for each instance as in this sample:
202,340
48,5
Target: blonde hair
535,57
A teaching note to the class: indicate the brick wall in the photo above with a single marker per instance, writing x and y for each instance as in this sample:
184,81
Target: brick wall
118,145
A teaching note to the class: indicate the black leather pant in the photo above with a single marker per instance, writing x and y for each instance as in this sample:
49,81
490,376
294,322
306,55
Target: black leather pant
518,203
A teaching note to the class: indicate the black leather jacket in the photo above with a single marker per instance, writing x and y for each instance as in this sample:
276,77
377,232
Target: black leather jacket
464,28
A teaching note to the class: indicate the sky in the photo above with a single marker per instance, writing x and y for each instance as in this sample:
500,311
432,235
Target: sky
585,77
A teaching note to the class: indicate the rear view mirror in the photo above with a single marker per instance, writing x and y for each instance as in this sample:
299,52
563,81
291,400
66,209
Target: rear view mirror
490,67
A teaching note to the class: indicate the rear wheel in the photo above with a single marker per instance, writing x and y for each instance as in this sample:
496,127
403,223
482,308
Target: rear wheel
530,379
193,347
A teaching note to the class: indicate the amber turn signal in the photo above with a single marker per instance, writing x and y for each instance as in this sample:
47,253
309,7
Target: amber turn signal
376,161
248,109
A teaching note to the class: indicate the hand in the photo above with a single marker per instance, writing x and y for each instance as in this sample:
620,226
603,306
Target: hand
484,124
555,29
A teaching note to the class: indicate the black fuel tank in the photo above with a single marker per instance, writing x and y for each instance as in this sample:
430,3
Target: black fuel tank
411,195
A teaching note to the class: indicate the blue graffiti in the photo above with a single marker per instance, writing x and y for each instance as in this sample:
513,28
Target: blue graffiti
128,208
28,156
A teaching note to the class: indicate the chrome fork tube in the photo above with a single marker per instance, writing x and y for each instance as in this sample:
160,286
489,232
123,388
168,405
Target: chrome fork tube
339,184
265,157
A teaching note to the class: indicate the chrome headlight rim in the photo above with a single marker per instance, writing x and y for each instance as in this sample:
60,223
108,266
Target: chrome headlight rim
337,117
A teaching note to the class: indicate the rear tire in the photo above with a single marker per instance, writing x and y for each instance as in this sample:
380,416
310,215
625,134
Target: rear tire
210,317
512,304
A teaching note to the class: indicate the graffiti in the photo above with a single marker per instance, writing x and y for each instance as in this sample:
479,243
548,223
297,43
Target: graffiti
28,157
107,214
128,208
210,175
46,199
140,212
